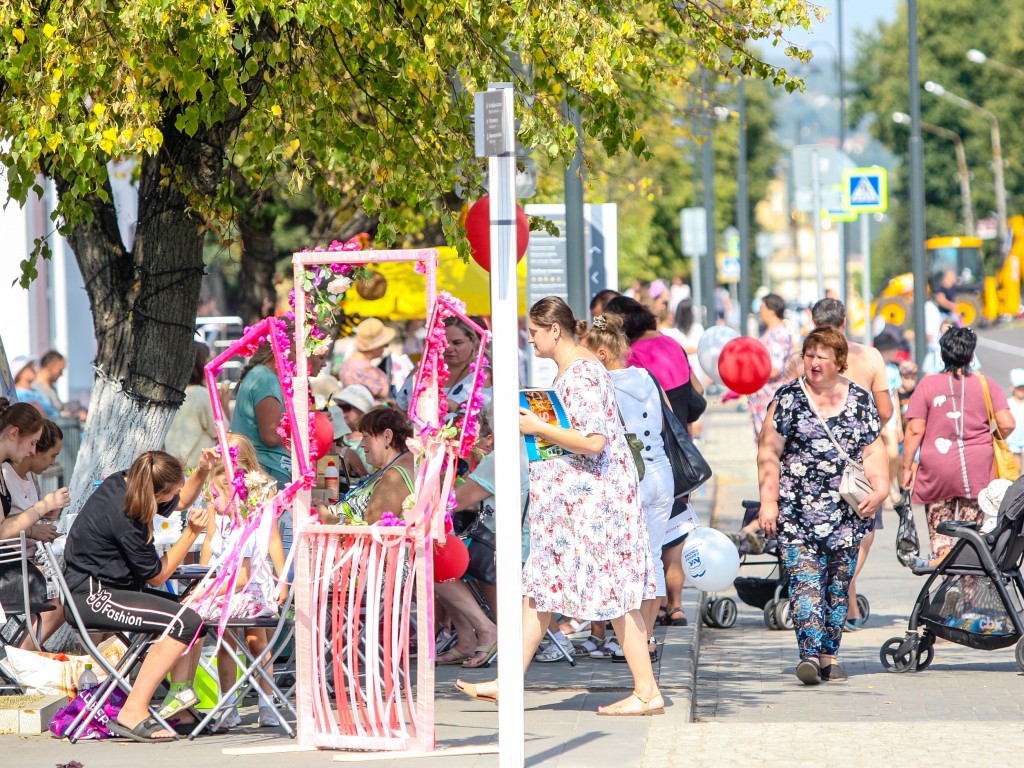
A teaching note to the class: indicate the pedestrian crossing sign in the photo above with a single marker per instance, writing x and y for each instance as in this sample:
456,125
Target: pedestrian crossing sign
865,190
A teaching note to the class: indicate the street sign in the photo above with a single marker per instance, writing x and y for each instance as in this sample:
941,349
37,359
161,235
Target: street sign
837,214
865,190
693,222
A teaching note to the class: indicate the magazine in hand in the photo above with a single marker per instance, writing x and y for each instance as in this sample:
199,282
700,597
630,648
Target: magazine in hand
547,407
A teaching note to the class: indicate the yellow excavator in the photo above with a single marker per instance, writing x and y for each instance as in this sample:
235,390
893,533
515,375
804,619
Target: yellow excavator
980,299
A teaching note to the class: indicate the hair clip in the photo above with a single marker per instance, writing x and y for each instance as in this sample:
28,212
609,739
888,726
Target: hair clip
600,322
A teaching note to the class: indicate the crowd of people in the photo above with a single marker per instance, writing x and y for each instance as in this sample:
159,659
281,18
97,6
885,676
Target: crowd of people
602,546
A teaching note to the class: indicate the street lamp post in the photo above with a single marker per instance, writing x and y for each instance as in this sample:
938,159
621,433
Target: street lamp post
976,56
997,154
967,210
917,223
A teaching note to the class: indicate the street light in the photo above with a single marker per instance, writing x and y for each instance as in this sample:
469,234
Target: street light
967,211
977,57
997,153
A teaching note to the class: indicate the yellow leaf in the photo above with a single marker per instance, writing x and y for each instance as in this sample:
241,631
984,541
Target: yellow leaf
54,141
110,134
131,97
33,132
19,35
49,30
54,98
429,42
58,73
637,135
224,28
127,134
275,110
98,109
93,125
106,145
294,145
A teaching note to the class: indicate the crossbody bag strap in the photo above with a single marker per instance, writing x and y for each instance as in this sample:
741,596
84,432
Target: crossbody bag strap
810,404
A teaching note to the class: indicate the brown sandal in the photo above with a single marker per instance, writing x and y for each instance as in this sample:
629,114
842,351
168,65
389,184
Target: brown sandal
646,708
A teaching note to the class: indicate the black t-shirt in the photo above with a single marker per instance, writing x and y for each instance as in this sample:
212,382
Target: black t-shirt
105,544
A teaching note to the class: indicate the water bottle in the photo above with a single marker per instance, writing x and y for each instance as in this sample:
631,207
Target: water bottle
88,678
331,482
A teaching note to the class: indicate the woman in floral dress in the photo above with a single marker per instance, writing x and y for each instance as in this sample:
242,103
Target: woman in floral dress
799,469
590,556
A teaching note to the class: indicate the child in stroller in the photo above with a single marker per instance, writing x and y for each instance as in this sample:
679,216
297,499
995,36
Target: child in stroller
974,596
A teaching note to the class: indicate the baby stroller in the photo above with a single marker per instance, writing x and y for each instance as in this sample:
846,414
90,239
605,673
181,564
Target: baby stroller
974,597
770,593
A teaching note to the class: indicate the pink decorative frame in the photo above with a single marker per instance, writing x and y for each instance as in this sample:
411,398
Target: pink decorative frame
348,574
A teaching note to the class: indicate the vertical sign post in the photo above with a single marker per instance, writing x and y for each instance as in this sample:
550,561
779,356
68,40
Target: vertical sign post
866,192
495,139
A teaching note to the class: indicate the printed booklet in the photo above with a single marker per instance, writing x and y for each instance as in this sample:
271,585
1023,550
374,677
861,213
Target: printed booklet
547,407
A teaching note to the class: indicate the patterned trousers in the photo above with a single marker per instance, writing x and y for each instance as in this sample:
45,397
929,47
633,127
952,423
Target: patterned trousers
819,585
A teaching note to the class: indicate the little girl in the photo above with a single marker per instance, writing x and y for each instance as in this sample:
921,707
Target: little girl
256,591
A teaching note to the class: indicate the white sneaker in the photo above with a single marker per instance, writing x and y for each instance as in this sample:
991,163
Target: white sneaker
268,717
230,719
554,652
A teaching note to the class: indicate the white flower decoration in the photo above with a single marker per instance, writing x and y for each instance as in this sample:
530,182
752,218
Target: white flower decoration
339,285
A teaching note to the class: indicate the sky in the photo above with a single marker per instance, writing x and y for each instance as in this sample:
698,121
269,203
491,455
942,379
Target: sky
856,14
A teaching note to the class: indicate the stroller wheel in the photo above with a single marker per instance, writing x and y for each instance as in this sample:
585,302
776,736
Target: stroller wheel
864,607
706,614
899,654
723,611
769,615
925,654
784,615
1020,654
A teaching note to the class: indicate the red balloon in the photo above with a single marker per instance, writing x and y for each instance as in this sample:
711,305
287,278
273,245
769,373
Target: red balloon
323,435
478,232
744,365
451,560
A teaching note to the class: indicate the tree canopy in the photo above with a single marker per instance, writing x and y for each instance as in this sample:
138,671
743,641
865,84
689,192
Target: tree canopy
947,29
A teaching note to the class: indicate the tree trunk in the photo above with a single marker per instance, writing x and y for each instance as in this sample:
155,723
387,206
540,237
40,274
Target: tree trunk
143,304
258,267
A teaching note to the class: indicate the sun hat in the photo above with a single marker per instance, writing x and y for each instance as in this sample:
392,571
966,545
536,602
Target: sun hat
356,395
324,387
338,421
656,289
372,334
21,362
1017,377
989,501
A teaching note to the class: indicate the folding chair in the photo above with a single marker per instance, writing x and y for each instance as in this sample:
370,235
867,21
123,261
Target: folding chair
22,613
117,675
254,668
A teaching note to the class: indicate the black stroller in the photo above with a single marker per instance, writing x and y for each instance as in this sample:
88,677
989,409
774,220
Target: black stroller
974,597
769,593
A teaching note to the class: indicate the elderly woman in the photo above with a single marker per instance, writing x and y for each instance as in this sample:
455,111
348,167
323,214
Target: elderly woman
948,420
799,469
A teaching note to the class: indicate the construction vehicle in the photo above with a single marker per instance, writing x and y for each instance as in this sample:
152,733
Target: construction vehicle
980,299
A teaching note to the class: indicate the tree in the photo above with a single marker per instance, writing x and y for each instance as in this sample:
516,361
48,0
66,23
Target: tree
947,29
358,96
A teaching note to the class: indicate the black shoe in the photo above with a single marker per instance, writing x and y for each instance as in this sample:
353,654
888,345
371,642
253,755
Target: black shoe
808,672
619,657
834,673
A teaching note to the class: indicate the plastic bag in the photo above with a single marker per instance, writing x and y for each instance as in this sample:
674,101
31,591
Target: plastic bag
60,723
51,674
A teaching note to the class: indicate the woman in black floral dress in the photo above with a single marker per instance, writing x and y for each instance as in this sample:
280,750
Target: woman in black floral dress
799,469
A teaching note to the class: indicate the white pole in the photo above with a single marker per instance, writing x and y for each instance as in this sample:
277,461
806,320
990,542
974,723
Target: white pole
505,375
865,278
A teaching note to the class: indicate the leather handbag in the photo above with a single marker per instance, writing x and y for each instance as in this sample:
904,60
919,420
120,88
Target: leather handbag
481,543
1003,461
853,483
690,469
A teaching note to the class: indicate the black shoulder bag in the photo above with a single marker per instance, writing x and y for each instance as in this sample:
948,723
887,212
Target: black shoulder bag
690,469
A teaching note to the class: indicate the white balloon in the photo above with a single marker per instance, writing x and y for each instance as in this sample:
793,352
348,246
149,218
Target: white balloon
710,559
710,347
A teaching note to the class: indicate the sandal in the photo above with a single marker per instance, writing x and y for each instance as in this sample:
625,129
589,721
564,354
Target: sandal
645,707
179,702
451,657
676,617
470,689
142,732
488,651
662,617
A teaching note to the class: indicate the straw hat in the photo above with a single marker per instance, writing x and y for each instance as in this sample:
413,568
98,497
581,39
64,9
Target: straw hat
324,386
338,422
373,334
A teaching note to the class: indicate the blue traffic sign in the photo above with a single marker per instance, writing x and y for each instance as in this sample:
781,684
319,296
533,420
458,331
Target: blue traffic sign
865,190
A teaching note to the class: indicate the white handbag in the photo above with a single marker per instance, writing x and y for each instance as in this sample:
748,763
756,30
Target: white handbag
853,483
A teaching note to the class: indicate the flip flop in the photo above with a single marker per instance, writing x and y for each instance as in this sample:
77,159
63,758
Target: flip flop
142,733
455,657
470,689
489,652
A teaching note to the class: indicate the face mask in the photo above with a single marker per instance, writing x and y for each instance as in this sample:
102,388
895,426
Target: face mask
167,507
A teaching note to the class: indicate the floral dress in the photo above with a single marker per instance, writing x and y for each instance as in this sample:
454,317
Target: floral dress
780,346
590,557
811,511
